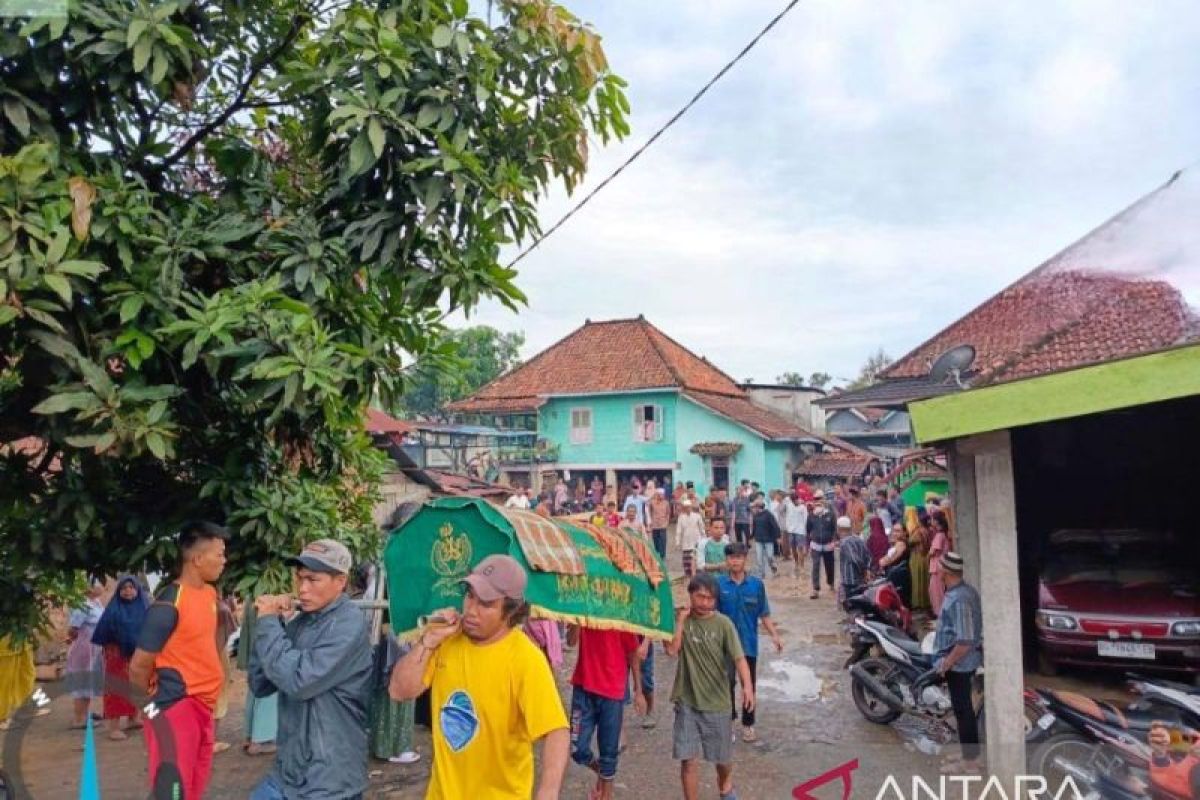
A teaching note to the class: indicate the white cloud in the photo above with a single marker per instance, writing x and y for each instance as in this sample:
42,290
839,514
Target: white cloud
869,173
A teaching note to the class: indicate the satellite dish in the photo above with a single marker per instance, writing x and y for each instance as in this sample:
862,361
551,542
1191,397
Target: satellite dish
953,363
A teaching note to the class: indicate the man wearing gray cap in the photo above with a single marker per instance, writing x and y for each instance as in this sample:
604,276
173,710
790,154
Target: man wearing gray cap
320,664
491,691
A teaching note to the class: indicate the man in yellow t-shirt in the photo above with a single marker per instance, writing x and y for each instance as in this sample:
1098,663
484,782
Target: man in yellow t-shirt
493,694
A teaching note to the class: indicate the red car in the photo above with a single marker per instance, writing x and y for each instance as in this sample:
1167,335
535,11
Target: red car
1126,599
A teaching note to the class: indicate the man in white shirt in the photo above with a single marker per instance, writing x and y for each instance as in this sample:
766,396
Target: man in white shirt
518,499
795,522
689,533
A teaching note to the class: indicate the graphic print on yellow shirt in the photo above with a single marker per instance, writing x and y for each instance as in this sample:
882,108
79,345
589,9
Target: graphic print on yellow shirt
490,704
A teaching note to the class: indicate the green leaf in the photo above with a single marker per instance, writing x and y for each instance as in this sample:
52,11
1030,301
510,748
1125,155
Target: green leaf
83,269
156,444
156,412
8,314
60,285
45,319
362,157
141,53
460,8
66,401
55,345
428,113
15,111
136,28
105,441
376,135
130,307
161,62
442,35
90,440
58,246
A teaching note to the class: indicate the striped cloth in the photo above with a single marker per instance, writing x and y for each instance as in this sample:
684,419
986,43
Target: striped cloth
614,546
645,554
547,547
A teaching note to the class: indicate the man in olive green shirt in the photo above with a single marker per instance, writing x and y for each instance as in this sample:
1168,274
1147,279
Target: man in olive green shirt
708,646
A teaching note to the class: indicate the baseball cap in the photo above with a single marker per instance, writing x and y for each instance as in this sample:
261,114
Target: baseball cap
497,576
323,555
844,522
818,495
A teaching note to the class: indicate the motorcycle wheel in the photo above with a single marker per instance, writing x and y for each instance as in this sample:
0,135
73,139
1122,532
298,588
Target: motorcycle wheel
1069,747
867,703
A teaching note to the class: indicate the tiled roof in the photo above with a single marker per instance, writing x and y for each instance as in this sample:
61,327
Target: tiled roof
611,356
740,409
893,392
464,486
496,405
380,423
836,465
1105,297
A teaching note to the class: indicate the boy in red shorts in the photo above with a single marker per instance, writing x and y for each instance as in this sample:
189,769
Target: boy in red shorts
178,662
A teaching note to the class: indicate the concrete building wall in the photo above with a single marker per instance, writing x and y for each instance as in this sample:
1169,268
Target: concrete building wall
698,424
779,458
793,403
612,440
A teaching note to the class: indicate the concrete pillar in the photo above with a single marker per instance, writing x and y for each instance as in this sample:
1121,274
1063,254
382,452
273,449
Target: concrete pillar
999,588
965,508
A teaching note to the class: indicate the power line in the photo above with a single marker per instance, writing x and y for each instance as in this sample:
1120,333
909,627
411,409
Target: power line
678,114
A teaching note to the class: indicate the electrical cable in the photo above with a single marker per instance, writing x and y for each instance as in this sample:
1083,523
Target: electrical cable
637,153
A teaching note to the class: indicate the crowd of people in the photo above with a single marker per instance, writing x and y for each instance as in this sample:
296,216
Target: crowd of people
904,542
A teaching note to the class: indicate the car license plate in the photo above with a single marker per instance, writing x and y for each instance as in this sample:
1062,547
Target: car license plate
1046,721
1126,650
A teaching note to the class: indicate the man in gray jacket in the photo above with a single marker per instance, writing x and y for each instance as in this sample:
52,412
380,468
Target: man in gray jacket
320,663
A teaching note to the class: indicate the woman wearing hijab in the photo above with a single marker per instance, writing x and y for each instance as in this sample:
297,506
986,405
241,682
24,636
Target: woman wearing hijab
877,542
918,566
117,632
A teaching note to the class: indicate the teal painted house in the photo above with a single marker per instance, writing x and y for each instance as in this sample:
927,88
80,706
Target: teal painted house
620,398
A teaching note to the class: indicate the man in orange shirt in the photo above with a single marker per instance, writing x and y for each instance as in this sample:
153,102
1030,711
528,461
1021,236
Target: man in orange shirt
177,660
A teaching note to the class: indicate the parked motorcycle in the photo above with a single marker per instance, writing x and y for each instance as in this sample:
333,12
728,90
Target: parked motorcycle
1067,725
902,681
879,601
1100,773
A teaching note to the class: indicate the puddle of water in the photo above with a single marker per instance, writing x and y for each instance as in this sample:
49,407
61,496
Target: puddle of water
797,683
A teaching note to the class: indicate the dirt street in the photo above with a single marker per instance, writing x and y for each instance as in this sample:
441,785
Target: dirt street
807,726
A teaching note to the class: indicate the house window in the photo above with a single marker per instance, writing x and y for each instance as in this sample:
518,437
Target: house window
581,426
647,423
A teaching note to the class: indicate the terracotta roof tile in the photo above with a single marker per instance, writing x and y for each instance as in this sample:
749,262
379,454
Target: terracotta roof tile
379,422
611,356
836,465
1102,298
740,409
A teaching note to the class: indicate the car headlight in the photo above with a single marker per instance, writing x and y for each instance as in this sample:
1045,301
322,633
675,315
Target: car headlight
1056,622
1190,627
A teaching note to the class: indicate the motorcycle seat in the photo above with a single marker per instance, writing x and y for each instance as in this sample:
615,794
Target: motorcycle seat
1133,719
899,638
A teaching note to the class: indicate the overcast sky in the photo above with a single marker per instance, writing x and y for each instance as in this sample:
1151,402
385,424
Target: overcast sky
869,173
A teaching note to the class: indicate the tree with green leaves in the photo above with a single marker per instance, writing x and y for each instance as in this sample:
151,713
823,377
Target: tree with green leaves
483,354
224,228
869,373
817,380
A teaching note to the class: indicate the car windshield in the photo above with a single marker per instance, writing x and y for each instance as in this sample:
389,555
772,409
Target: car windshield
1124,558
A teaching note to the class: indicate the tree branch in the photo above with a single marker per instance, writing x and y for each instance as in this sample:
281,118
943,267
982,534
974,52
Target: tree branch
239,99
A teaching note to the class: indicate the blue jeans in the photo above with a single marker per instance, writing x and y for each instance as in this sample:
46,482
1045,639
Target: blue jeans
764,554
269,789
593,714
